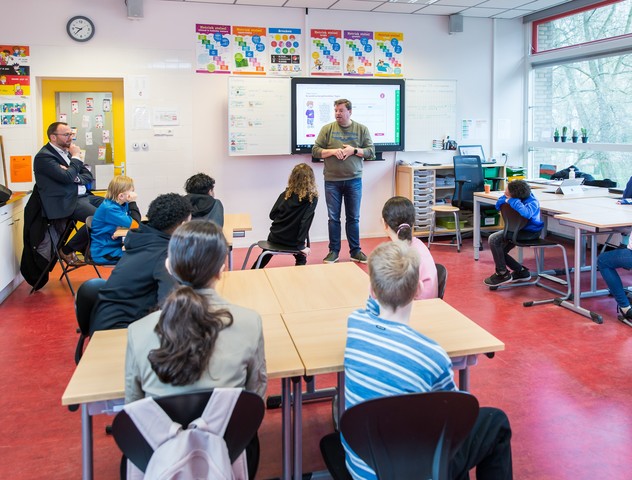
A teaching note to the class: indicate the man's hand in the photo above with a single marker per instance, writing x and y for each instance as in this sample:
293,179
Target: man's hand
63,167
75,151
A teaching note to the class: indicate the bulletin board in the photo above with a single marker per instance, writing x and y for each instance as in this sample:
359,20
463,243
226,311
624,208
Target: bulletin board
258,116
430,113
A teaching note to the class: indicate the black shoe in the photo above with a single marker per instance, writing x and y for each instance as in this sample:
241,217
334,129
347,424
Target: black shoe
624,317
523,275
498,279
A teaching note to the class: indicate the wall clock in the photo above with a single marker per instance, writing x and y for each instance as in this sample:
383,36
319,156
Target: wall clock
80,28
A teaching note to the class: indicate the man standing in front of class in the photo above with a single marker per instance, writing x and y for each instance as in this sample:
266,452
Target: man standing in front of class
343,144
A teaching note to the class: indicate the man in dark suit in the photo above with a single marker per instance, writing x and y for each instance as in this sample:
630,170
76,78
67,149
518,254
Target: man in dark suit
62,180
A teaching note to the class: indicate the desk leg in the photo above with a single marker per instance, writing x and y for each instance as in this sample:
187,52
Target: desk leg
86,443
298,428
464,379
286,427
230,258
477,226
577,289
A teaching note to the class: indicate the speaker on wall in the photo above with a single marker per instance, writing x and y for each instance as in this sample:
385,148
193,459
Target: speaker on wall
134,9
455,24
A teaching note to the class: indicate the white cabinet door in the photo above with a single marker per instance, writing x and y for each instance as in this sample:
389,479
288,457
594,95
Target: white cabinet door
7,252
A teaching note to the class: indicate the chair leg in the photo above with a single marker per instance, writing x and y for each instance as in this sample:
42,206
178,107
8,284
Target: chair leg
432,229
457,227
265,253
243,267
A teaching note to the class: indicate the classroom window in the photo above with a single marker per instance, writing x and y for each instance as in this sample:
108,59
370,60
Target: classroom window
571,89
606,20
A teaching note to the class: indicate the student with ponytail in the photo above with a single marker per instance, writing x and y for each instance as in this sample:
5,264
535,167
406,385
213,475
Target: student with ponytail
198,340
398,215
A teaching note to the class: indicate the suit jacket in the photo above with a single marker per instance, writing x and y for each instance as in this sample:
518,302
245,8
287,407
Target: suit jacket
58,186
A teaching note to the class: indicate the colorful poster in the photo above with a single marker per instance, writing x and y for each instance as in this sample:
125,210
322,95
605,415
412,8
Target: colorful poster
213,48
388,54
249,54
326,51
284,52
359,53
13,111
15,75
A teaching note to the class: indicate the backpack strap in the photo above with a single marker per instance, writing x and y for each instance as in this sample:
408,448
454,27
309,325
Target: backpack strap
152,421
218,411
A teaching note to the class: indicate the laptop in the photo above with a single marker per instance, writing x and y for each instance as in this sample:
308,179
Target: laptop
569,186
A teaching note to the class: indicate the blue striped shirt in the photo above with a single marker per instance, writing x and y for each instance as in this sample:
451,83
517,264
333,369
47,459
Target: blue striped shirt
382,358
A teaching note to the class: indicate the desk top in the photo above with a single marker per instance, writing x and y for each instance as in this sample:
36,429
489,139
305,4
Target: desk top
249,288
320,336
543,196
100,374
318,287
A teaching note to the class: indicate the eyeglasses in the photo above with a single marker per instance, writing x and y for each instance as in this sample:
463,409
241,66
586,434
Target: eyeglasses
63,134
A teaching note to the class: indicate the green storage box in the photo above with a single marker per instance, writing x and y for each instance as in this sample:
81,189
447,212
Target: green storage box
448,222
515,171
489,218
491,172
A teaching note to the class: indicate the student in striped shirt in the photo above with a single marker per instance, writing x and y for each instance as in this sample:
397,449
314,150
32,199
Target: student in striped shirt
384,356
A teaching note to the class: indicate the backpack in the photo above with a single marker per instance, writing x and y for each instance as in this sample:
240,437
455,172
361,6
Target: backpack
197,452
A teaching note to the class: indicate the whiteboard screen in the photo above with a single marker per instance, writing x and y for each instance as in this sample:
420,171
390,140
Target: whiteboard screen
430,113
258,116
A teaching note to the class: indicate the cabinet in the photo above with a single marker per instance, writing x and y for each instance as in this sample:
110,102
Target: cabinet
426,186
11,228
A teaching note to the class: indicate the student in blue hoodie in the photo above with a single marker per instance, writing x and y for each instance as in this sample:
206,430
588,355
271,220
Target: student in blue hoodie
519,197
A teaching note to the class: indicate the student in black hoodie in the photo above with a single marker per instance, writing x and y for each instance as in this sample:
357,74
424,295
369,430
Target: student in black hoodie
140,281
293,212
200,192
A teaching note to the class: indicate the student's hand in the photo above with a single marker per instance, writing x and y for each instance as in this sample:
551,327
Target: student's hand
507,194
131,197
306,251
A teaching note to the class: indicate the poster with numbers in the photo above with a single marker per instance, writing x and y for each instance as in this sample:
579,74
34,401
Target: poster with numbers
326,52
359,55
284,51
389,50
212,48
249,51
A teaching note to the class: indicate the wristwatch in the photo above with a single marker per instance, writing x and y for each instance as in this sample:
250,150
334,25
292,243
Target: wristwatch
355,151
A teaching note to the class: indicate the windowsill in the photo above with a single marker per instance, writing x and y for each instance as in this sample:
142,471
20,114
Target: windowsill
602,147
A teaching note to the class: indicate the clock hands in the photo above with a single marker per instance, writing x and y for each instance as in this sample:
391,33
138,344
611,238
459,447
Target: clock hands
78,29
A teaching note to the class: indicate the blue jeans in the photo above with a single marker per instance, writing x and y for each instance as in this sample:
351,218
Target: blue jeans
351,192
608,263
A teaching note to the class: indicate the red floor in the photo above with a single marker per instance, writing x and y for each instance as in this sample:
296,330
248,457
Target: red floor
563,380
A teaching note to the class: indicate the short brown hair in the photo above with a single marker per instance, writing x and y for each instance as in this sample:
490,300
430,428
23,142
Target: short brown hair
343,101
519,189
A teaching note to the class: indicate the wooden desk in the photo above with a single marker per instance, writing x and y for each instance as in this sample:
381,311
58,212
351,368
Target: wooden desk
249,288
98,383
318,287
320,338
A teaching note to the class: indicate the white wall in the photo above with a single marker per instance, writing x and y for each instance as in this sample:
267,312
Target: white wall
159,50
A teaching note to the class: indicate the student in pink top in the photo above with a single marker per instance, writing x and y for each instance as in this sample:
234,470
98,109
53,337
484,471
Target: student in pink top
398,215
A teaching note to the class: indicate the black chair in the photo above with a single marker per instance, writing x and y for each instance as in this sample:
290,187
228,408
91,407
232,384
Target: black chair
410,436
514,222
442,277
86,299
240,434
269,249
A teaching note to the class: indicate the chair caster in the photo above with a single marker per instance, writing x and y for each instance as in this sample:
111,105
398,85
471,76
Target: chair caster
273,402
493,289
528,304
595,317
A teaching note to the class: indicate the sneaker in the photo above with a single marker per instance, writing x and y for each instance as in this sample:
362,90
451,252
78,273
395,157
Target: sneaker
498,279
524,275
359,257
332,257
625,317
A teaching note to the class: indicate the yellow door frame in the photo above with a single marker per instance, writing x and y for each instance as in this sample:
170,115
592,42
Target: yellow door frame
113,85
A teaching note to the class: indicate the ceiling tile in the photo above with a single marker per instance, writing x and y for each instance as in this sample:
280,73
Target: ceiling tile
481,12
504,4
359,5
261,3
439,10
390,7
509,14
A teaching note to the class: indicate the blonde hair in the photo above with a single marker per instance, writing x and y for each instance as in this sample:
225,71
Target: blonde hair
394,273
119,184
302,182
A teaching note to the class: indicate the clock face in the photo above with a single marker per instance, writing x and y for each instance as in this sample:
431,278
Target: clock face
80,28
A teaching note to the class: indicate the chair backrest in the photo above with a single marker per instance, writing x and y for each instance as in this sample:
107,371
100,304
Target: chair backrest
85,300
442,277
183,409
87,254
410,436
514,222
468,174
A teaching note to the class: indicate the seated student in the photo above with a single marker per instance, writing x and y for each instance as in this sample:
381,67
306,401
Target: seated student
140,280
398,216
199,340
293,212
519,197
200,192
117,210
384,356
607,264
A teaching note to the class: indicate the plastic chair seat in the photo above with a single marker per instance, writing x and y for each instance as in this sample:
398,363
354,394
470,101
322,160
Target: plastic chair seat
269,248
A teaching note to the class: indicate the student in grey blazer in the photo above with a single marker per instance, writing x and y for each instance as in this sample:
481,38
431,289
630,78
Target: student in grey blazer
198,340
